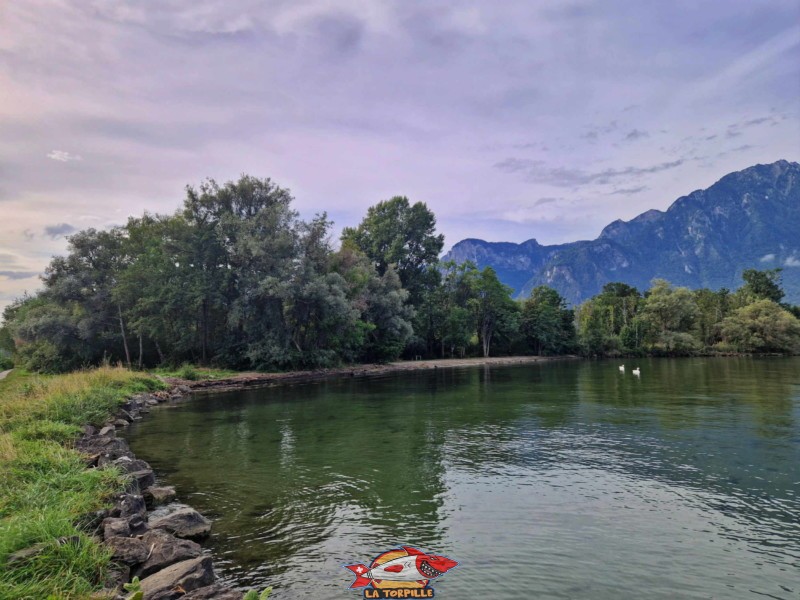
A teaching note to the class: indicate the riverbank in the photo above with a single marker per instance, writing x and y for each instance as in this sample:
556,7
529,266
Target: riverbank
80,515
256,379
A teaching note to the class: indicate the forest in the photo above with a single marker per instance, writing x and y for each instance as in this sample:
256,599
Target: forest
237,279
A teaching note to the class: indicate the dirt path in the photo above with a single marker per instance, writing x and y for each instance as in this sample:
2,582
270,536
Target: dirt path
241,380
4,373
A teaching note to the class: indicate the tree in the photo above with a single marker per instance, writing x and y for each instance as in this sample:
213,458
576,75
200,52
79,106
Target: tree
761,327
546,323
763,285
395,232
494,311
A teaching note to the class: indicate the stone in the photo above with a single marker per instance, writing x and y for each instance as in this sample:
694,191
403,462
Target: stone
216,591
182,521
164,550
145,478
152,402
25,554
184,389
158,495
131,504
106,445
128,550
116,527
109,430
128,464
89,430
137,524
178,579
92,522
121,423
125,415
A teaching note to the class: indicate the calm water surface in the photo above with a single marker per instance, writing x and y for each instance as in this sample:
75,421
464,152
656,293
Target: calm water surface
559,480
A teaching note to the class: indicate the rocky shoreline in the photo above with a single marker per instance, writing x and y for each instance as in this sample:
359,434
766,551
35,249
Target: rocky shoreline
151,536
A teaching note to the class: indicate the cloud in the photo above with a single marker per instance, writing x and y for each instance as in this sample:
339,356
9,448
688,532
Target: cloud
15,275
636,134
767,258
629,191
792,262
537,171
60,230
62,156
542,201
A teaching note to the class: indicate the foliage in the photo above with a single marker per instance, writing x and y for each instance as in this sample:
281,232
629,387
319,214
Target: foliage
254,595
761,327
546,322
397,233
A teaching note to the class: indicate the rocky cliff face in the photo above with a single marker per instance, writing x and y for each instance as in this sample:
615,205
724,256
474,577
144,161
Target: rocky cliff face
748,219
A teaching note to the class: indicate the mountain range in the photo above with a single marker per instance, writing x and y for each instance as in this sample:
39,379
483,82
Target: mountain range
748,219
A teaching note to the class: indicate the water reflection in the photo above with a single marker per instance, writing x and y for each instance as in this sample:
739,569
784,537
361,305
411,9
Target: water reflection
569,479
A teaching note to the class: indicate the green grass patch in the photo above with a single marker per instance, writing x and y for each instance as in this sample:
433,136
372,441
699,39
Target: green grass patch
194,373
45,488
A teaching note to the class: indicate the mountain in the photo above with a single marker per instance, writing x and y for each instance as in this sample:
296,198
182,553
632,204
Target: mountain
748,219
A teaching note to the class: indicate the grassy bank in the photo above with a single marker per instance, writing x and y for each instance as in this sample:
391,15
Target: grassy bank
45,488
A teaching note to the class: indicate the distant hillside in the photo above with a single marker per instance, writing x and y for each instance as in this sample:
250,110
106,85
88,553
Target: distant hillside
748,219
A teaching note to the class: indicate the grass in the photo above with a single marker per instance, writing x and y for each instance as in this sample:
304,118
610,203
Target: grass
194,373
45,487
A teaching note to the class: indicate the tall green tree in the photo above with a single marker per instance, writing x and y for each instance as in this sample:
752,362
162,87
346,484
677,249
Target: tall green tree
396,232
495,313
546,322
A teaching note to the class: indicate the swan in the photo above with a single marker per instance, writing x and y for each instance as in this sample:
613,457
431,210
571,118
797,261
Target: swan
622,368
636,372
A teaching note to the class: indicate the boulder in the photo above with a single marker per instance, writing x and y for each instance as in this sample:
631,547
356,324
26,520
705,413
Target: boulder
178,579
108,430
158,495
106,445
128,464
130,505
128,550
137,524
164,550
25,554
121,423
115,527
144,478
182,521
214,592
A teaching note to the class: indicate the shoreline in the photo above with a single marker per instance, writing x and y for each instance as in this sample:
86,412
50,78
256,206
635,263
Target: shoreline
255,379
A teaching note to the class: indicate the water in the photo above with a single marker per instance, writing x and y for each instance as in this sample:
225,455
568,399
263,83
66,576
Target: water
556,480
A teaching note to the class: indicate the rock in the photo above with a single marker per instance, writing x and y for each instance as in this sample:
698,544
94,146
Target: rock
182,521
89,430
92,522
128,550
25,554
164,550
121,423
132,504
213,592
152,402
184,389
131,465
125,415
177,579
145,478
158,495
117,575
106,445
137,524
116,527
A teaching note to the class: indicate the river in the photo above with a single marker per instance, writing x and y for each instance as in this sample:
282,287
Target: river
553,480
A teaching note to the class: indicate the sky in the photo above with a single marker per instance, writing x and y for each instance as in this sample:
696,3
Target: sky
511,119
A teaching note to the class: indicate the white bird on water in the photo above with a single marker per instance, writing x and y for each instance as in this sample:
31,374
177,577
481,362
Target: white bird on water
636,372
622,368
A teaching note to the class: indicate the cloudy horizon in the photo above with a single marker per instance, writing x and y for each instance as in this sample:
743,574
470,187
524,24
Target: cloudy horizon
522,120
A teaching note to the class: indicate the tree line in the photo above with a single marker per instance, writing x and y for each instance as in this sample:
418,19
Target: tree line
237,279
